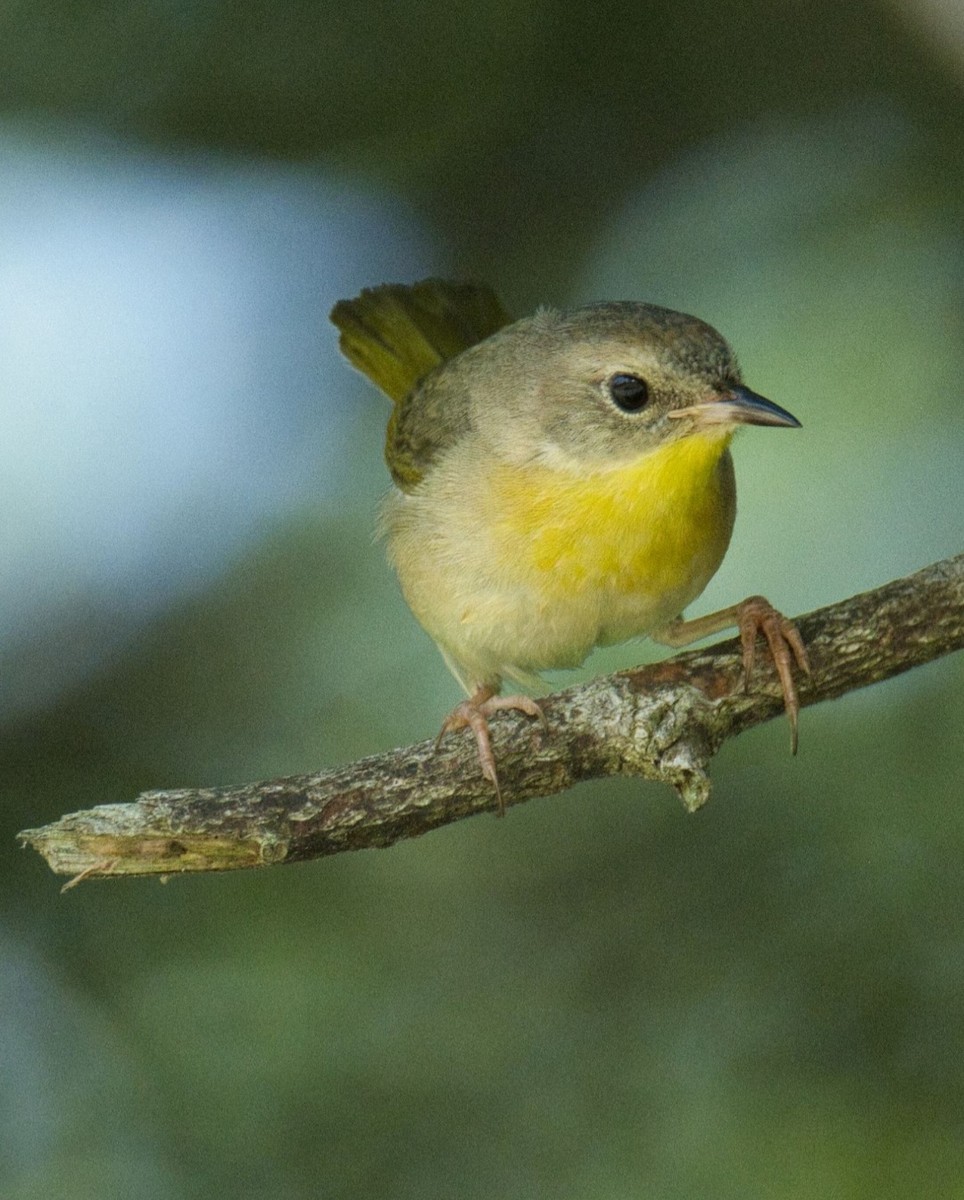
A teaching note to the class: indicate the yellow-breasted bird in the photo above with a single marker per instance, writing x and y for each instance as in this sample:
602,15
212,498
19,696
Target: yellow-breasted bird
561,482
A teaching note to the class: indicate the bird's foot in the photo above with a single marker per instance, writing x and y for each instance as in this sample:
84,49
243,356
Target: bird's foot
474,714
757,615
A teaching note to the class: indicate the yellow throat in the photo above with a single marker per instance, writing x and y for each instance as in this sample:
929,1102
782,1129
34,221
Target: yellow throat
659,525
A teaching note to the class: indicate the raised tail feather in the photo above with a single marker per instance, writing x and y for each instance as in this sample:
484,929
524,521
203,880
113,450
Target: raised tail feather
397,333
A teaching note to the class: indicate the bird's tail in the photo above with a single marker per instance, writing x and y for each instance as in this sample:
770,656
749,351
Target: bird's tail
397,333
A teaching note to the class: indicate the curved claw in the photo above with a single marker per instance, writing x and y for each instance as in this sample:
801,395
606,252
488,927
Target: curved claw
757,615
474,714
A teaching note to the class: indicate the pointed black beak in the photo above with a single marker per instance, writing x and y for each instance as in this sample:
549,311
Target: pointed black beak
738,406
748,408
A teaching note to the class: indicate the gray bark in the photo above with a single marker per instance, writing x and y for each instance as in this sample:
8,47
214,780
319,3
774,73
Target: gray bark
663,722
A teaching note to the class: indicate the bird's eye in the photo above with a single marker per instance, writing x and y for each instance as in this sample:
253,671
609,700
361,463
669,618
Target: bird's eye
629,392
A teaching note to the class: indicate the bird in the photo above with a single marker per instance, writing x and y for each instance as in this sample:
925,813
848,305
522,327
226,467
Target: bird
559,482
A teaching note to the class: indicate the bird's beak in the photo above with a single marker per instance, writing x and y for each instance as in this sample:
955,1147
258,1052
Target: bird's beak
738,406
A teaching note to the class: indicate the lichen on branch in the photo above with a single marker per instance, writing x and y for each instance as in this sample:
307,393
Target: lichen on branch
662,722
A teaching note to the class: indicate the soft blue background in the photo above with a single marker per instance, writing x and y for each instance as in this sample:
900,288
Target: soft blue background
600,996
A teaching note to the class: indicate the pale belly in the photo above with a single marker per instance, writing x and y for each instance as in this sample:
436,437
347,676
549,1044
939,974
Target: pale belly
533,572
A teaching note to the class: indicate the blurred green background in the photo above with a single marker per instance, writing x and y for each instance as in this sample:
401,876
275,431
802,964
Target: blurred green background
599,996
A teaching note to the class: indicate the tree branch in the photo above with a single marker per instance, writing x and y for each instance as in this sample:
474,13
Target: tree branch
662,722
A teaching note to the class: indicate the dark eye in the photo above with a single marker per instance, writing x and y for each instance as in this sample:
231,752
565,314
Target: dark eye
629,392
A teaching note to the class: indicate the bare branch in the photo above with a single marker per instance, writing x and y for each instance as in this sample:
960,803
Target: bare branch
662,722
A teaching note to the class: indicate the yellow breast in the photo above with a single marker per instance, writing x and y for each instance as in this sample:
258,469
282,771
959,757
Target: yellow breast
659,526
530,568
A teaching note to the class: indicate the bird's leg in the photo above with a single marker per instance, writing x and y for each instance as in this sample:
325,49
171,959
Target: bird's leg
751,616
474,713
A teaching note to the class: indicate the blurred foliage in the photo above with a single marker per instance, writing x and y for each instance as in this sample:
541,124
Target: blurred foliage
598,996
512,121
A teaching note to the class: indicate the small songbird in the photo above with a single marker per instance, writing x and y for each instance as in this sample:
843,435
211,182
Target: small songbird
561,482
